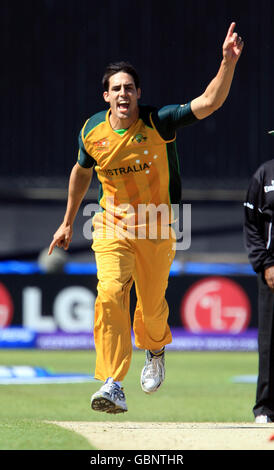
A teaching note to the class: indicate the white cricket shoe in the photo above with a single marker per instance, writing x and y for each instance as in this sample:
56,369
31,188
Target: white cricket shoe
153,373
262,419
110,398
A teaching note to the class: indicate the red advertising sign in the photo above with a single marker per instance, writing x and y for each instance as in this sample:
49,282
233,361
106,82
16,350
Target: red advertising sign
6,307
215,304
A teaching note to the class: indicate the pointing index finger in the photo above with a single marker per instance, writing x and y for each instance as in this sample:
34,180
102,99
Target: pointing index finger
52,246
231,29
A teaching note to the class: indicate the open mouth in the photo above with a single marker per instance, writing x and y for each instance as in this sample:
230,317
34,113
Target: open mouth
123,106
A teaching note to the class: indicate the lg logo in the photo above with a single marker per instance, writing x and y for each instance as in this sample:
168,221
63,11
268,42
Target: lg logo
215,304
72,309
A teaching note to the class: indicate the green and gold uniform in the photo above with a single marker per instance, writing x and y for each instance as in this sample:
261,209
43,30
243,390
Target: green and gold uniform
138,166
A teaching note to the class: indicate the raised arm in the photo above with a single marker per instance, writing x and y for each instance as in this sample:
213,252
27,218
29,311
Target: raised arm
218,89
79,182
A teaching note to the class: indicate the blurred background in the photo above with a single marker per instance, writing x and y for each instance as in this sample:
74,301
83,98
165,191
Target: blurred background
54,53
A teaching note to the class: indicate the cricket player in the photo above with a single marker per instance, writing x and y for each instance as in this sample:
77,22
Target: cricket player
132,148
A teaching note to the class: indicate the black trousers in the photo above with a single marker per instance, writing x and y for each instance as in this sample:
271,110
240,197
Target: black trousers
265,384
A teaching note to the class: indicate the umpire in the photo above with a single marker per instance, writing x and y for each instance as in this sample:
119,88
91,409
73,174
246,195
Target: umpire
259,242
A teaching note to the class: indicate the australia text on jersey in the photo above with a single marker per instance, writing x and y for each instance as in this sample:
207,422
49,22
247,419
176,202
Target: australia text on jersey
126,170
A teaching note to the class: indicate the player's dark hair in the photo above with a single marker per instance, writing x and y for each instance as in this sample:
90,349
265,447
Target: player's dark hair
120,67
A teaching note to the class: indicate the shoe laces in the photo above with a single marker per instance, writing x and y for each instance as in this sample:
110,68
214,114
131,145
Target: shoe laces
114,389
153,365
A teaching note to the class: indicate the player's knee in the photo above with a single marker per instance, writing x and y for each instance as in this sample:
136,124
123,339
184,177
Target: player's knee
111,292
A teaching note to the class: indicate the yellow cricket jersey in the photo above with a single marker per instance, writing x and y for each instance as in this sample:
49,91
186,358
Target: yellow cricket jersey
140,166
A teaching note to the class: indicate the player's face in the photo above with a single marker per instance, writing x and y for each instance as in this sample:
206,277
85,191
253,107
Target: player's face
123,96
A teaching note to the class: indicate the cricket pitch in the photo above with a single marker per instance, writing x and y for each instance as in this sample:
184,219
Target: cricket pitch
174,436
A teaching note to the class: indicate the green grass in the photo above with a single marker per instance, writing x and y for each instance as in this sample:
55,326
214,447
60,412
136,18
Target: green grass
198,388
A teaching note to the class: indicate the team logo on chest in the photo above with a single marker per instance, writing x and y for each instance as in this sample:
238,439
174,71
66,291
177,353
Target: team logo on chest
139,138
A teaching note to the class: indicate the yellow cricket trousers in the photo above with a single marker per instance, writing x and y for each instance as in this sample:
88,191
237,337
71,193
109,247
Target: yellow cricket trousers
119,262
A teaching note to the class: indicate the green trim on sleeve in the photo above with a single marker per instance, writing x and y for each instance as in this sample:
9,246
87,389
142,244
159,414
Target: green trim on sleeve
94,121
175,185
84,159
170,118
